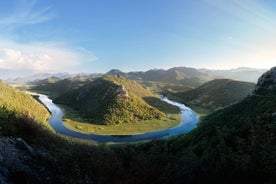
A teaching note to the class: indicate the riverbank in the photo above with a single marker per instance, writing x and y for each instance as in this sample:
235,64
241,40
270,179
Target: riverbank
188,122
75,121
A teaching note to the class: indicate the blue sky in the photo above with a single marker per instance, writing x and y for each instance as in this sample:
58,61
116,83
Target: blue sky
130,35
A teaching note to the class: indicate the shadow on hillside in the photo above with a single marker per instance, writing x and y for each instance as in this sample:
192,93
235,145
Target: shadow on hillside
160,105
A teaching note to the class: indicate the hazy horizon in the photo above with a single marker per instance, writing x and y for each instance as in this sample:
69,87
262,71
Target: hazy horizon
97,36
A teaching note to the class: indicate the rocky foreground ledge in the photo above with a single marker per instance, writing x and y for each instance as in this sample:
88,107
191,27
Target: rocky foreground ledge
20,163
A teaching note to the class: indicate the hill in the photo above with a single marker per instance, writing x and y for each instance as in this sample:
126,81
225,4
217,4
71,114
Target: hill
55,87
237,143
180,79
115,100
215,94
16,106
240,74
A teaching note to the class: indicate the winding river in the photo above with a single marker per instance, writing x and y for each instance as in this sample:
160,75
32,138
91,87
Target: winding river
188,122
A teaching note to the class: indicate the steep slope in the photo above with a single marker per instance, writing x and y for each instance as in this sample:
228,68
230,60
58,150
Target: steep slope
238,142
16,105
114,100
216,94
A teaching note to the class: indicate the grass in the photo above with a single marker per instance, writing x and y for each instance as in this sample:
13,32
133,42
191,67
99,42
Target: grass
74,121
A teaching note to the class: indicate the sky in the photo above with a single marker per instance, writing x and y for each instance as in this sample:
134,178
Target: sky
94,36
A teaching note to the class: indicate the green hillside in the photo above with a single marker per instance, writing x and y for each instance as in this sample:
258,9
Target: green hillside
17,105
236,143
55,87
115,100
215,94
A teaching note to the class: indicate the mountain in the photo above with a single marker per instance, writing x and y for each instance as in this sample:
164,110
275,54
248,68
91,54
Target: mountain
180,79
215,94
235,144
114,100
179,75
16,106
31,79
240,74
192,76
54,86
115,72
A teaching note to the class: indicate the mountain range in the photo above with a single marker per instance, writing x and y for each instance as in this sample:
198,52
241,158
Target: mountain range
185,75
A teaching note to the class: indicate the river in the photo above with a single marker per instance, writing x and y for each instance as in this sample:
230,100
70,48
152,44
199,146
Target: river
188,122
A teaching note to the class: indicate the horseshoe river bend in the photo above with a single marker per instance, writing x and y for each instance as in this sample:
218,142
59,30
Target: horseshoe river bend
188,122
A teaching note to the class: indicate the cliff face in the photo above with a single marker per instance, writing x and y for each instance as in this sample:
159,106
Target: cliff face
267,83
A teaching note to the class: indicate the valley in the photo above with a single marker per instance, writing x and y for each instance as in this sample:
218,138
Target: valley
188,122
238,124
137,92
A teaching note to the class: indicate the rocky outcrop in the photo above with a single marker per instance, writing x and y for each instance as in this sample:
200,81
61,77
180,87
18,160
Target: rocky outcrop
267,82
121,92
20,163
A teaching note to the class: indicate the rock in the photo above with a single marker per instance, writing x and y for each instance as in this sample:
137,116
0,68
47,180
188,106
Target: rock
23,145
121,92
267,81
1,158
3,180
4,171
3,175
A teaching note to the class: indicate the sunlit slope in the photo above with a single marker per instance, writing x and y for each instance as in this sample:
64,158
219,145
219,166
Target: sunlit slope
18,107
115,100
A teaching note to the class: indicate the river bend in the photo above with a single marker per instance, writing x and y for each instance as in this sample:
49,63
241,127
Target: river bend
188,122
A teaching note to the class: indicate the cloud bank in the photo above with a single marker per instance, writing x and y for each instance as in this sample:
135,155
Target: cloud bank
38,57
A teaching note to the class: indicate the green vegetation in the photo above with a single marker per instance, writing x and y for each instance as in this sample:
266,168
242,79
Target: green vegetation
113,100
214,94
76,122
233,145
15,104
55,87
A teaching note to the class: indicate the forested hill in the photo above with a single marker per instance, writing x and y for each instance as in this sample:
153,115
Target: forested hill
234,144
215,94
115,100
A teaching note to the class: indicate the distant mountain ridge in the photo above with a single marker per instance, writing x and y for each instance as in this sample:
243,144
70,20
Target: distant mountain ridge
186,75
192,77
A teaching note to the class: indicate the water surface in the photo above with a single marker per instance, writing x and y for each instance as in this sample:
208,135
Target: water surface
187,123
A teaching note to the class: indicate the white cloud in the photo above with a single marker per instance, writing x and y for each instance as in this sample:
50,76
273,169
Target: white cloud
38,57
